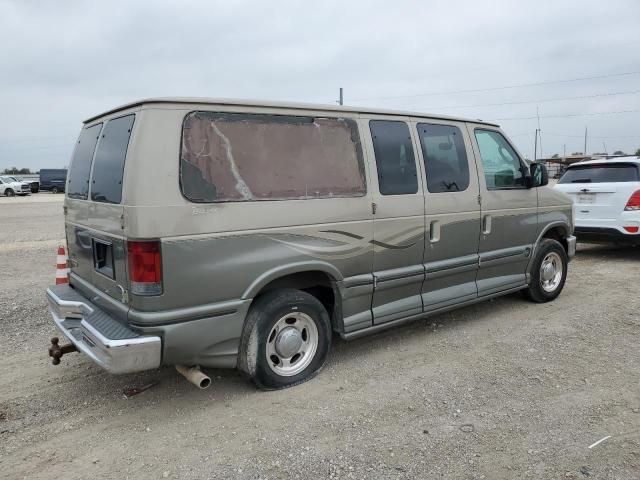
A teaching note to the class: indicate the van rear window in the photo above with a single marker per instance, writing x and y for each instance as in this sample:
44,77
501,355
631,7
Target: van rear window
229,157
81,162
108,168
598,173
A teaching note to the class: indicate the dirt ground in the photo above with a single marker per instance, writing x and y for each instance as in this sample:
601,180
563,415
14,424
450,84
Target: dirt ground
505,389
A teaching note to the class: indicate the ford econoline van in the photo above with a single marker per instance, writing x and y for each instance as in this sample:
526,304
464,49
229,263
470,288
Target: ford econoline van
242,234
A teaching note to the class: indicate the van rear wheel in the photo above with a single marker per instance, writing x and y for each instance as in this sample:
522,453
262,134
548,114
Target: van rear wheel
54,190
549,271
286,339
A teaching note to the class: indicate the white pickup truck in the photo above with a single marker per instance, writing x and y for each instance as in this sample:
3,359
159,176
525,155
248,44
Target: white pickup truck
10,186
606,197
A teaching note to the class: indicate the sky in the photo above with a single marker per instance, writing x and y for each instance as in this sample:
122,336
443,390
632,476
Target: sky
575,63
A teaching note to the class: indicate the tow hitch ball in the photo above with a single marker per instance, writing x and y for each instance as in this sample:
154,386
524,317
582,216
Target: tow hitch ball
56,351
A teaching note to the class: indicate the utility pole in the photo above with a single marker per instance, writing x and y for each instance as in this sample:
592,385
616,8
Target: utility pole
585,141
341,97
535,147
564,149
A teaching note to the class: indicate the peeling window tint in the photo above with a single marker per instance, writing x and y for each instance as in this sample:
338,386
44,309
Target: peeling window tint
229,157
445,158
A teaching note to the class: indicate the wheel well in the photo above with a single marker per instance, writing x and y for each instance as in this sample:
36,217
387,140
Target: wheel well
559,234
316,283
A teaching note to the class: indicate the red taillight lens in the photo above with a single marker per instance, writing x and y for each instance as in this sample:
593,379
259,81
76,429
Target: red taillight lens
632,229
634,201
145,267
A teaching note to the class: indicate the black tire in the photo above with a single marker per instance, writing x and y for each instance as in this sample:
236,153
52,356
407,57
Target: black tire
54,190
263,315
536,292
9,192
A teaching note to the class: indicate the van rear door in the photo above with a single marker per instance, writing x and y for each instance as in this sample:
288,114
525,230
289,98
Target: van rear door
94,211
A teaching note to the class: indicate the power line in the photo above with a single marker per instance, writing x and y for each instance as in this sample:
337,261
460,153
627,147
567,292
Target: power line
592,136
550,82
568,115
557,99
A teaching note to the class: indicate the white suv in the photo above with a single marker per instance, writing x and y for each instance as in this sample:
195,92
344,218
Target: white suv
606,197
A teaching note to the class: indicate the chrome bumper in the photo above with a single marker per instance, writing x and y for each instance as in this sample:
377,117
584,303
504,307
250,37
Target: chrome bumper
571,245
106,341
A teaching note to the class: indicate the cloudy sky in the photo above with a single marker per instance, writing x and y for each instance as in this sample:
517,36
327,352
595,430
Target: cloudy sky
577,62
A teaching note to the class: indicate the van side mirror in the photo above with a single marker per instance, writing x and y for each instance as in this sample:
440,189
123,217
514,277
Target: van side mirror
539,175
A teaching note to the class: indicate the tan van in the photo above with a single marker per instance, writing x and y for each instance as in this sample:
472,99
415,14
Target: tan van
222,233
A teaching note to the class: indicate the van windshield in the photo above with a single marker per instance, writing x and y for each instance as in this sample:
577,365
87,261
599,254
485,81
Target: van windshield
599,173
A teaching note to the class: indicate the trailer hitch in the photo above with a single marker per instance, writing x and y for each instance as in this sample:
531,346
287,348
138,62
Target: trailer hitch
56,351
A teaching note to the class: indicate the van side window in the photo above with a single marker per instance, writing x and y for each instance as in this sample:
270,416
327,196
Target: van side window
445,158
108,167
501,164
81,162
233,157
394,157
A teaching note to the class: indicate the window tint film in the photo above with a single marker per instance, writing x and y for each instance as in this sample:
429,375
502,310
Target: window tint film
106,185
394,157
501,164
601,174
243,157
445,158
81,162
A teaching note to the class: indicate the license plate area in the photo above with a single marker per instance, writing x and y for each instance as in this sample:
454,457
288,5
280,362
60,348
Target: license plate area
103,258
586,198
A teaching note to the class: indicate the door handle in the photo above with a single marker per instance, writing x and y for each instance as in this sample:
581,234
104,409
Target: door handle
434,231
486,225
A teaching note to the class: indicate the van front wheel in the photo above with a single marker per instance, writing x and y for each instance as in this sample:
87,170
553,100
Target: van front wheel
549,271
286,339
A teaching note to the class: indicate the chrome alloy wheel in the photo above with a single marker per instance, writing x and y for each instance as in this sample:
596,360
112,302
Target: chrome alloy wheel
551,272
292,344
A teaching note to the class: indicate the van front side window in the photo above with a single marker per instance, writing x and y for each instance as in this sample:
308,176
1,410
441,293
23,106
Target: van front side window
394,157
501,164
233,157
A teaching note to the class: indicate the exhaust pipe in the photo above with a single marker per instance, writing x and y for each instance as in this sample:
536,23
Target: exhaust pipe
195,376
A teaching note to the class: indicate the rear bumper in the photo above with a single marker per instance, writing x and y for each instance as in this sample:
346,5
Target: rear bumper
109,343
605,235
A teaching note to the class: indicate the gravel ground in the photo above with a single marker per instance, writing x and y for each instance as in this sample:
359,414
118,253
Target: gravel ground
504,389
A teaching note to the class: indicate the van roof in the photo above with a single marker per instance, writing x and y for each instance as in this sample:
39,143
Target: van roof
291,105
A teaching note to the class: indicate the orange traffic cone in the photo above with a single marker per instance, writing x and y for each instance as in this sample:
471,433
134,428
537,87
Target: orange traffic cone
62,272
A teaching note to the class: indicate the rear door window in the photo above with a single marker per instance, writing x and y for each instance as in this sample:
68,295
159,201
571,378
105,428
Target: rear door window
598,173
394,157
232,157
81,162
445,158
108,169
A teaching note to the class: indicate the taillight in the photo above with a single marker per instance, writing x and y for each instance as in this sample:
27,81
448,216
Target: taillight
145,267
634,201
632,229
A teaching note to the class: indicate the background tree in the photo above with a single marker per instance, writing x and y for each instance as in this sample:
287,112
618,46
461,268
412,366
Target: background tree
555,155
619,152
638,152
